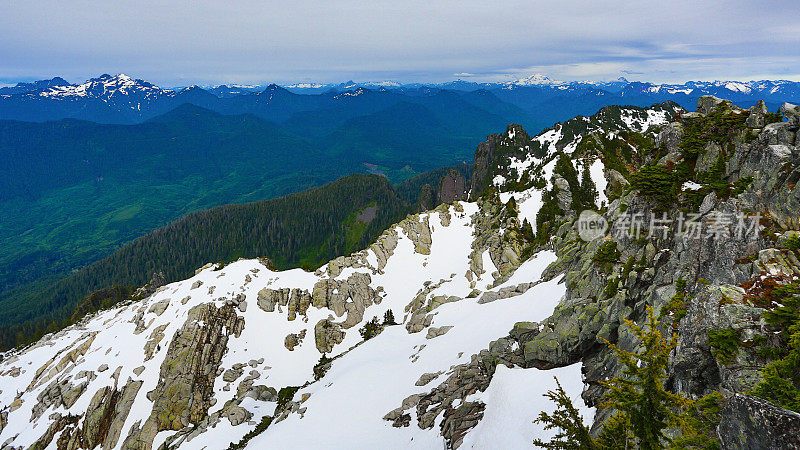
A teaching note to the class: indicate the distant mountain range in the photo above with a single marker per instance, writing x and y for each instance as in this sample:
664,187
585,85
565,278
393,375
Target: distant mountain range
123,99
89,167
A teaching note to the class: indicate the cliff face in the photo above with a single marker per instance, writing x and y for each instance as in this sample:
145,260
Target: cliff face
483,302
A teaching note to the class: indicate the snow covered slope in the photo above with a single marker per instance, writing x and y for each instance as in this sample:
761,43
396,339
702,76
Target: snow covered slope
199,362
235,353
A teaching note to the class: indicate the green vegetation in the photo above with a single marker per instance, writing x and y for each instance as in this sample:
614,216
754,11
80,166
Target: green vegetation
658,183
75,192
618,153
606,255
584,192
725,344
677,306
662,183
266,421
640,394
370,329
321,367
299,230
644,409
720,125
792,243
388,318
699,423
781,384
566,418
546,217
611,288
409,190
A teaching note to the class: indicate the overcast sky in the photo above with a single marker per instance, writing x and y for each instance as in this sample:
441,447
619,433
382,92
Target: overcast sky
204,42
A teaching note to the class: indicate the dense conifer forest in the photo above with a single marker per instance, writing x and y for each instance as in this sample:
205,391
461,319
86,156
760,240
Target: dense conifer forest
299,230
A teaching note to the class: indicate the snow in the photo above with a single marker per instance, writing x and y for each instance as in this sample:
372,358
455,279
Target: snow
105,87
358,375
514,399
596,171
691,186
737,87
533,80
374,378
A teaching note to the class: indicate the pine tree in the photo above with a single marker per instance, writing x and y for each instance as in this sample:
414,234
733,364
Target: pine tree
370,329
574,434
644,408
388,318
781,383
640,394
588,191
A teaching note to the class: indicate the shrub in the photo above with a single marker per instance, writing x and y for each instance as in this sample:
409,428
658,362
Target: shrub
725,344
658,183
370,329
606,255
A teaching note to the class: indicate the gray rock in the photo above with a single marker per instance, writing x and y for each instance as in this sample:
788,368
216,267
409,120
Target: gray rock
435,332
292,340
708,158
670,137
327,334
708,103
751,423
426,378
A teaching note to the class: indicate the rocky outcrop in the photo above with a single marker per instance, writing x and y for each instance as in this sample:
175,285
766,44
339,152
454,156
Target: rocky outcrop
452,187
102,422
419,231
351,296
292,340
185,387
750,423
295,300
327,334
489,154
504,248
156,281
448,398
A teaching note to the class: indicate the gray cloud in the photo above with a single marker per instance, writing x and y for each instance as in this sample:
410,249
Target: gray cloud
181,42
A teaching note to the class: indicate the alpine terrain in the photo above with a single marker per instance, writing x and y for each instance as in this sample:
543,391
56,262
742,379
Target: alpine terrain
449,329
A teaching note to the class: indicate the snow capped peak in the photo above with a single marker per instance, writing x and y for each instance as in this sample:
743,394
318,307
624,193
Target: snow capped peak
105,87
535,79
385,83
304,86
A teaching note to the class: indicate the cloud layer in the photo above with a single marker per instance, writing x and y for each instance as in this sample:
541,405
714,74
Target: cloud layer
181,42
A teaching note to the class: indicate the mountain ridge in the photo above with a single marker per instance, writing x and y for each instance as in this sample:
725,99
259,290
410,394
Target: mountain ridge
458,279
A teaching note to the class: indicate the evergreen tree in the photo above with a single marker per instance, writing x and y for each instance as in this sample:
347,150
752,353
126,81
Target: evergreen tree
588,191
321,367
388,318
640,394
370,329
573,433
644,408
781,384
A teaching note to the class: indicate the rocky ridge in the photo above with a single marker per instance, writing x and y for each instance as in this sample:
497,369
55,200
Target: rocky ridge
481,298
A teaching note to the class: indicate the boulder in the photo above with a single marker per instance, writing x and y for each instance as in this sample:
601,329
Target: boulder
327,334
752,423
